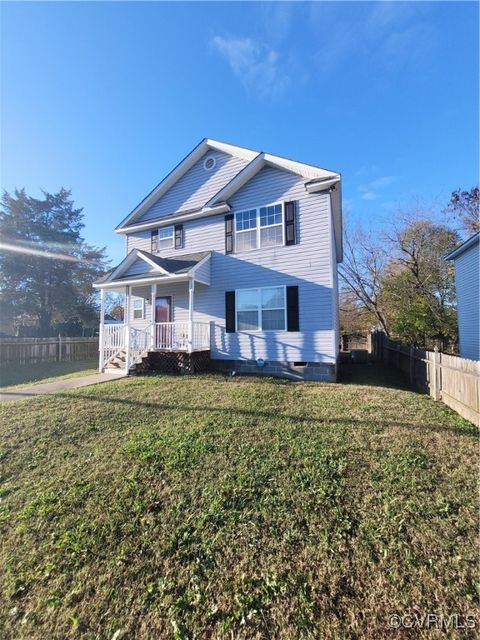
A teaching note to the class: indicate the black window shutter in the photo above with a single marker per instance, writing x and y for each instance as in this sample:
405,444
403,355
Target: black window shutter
290,223
229,233
154,241
293,323
230,311
178,236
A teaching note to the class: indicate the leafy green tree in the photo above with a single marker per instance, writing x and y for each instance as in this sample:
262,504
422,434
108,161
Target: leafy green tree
46,267
402,281
413,318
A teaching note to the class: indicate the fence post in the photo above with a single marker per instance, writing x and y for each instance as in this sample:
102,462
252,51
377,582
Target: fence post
439,376
412,365
59,347
434,388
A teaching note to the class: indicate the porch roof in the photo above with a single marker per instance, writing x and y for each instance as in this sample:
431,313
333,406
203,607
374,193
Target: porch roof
156,269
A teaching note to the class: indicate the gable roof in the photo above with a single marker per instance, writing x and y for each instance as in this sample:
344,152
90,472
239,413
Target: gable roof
317,179
463,247
155,266
181,169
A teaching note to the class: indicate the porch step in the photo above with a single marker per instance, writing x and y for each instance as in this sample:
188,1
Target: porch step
117,363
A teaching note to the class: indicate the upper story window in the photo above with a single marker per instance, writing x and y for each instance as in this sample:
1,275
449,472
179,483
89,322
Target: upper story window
261,309
259,228
162,239
165,238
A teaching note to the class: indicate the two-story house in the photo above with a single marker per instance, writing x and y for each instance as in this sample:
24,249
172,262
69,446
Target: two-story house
232,261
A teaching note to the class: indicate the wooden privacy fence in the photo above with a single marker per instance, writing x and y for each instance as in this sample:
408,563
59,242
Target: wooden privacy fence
454,380
15,351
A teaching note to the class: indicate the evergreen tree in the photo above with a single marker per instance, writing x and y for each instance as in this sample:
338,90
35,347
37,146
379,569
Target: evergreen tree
46,267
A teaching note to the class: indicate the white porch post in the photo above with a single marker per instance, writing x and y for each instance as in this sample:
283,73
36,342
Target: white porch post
152,327
191,290
101,358
127,328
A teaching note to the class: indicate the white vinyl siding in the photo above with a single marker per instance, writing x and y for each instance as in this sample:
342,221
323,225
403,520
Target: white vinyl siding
197,186
139,267
308,264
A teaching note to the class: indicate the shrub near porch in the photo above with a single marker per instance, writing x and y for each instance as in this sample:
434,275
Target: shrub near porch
202,507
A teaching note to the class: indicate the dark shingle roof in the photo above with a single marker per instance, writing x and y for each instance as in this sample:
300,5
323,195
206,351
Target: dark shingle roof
176,265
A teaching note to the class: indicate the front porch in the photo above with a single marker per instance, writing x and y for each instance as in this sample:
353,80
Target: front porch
124,348
159,313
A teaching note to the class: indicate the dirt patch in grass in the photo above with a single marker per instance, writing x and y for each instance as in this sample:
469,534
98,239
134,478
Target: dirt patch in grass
208,507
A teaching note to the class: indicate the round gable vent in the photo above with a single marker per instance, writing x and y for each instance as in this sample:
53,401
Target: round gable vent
209,163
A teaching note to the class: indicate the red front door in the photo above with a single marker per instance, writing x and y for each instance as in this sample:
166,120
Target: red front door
163,309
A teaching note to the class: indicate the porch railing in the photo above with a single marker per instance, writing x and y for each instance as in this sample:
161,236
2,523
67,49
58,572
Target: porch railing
139,343
201,336
113,340
175,336
171,335
168,336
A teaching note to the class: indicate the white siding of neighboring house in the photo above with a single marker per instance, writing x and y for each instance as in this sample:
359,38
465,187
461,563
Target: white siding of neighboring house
196,187
310,264
467,284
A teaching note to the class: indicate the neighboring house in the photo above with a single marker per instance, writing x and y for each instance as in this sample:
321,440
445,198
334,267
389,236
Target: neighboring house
467,282
232,258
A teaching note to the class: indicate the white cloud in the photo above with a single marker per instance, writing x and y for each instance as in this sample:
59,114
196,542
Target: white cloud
259,67
370,195
277,18
384,181
372,190
384,33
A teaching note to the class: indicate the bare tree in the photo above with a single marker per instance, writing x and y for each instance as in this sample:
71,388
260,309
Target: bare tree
464,207
365,264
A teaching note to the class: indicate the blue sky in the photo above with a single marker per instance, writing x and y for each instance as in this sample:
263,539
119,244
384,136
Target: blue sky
105,98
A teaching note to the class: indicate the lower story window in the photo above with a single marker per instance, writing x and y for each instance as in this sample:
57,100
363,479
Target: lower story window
261,309
138,309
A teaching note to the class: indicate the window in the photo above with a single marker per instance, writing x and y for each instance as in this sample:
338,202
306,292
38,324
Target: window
246,228
138,309
154,241
261,309
165,238
271,226
259,228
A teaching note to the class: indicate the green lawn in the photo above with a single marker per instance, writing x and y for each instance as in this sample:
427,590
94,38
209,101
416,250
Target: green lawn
39,372
213,507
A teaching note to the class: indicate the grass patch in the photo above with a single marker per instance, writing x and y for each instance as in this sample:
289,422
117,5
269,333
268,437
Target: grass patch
212,507
41,372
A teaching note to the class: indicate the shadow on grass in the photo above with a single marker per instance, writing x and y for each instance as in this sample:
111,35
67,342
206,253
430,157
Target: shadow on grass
11,375
373,374
343,421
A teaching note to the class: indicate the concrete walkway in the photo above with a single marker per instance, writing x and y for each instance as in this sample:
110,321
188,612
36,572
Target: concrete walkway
55,387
